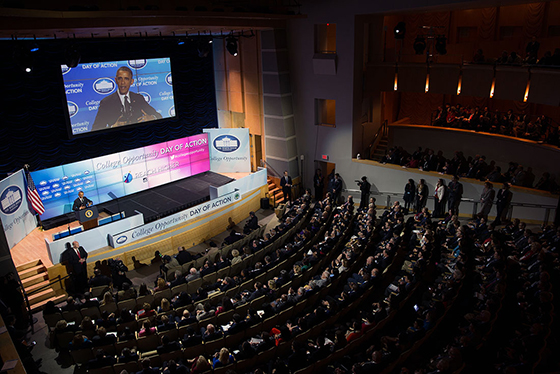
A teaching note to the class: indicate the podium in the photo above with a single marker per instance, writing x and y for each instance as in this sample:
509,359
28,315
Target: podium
88,217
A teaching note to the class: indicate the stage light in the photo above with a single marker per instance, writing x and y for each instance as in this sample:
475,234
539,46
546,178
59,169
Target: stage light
419,44
181,42
203,47
34,47
441,45
400,30
231,45
72,57
23,58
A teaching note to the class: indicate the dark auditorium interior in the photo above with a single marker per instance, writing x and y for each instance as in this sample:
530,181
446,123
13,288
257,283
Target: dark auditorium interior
422,234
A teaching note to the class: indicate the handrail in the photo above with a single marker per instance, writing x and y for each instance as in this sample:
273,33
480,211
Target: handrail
26,296
27,305
269,167
381,132
399,195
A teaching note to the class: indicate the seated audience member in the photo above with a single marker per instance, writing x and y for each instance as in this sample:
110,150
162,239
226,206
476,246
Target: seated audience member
101,360
222,358
71,305
210,333
252,223
199,365
99,279
147,368
144,290
184,257
146,329
126,293
128,355
107,299
167,345
191,338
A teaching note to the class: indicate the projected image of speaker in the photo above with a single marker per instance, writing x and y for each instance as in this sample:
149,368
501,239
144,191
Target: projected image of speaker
106,95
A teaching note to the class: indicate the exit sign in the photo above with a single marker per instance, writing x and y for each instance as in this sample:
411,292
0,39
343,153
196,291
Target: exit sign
325,157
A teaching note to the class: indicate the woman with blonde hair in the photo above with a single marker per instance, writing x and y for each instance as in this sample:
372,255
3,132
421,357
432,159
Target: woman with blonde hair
236,258
165,306
107,299
161,285
223,358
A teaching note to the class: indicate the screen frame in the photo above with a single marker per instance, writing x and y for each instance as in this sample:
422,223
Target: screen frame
69,132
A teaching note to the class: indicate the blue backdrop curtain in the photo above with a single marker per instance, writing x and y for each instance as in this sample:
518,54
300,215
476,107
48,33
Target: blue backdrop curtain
32,113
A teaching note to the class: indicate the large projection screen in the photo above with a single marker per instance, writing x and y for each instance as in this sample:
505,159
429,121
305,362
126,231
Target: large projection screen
104,95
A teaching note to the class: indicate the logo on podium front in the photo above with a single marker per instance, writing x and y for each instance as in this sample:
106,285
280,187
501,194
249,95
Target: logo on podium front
88,213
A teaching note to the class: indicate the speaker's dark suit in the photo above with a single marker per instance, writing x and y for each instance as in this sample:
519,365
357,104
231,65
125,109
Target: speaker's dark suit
78,203
79,270
111,108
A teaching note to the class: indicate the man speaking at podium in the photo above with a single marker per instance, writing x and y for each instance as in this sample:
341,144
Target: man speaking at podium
123,107
81,202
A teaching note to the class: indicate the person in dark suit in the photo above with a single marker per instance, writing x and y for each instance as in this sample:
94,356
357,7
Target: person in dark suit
319,184
503,198
77,256
123,107
286,184
81,202
252,223
337,188
365,188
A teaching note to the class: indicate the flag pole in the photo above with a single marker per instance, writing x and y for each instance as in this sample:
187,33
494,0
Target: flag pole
39,222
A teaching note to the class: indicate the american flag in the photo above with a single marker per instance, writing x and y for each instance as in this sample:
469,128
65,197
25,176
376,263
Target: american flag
33,195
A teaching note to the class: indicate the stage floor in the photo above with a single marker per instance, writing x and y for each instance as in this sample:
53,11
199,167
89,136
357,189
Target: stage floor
166,197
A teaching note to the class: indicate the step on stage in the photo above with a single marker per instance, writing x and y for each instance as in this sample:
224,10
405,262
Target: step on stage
157,202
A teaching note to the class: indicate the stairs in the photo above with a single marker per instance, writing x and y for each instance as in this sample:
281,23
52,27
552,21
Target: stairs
33,276
380,149
275,192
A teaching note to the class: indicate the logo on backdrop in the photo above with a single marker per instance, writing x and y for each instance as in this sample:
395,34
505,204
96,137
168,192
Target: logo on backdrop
226,143
137,64
65,69
127,178
10,199
147,96
104,86
72,109
121,239
168,79
172,111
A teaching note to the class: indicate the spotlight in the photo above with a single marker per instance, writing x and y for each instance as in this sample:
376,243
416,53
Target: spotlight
72,57
33,47
400,30
441,45
23,58
180,41
203,47
419,45
231,45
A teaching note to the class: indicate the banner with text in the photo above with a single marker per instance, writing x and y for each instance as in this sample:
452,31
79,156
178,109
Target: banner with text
168,222
17,219
229,150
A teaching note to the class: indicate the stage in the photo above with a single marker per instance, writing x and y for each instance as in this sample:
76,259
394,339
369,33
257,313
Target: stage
153,204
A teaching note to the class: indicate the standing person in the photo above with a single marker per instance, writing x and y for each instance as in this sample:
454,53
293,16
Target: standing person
337,188
439,199
286,184
365,187
486,199
421,195
77,257
409,194
455,194
81,202
319,183
503,199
